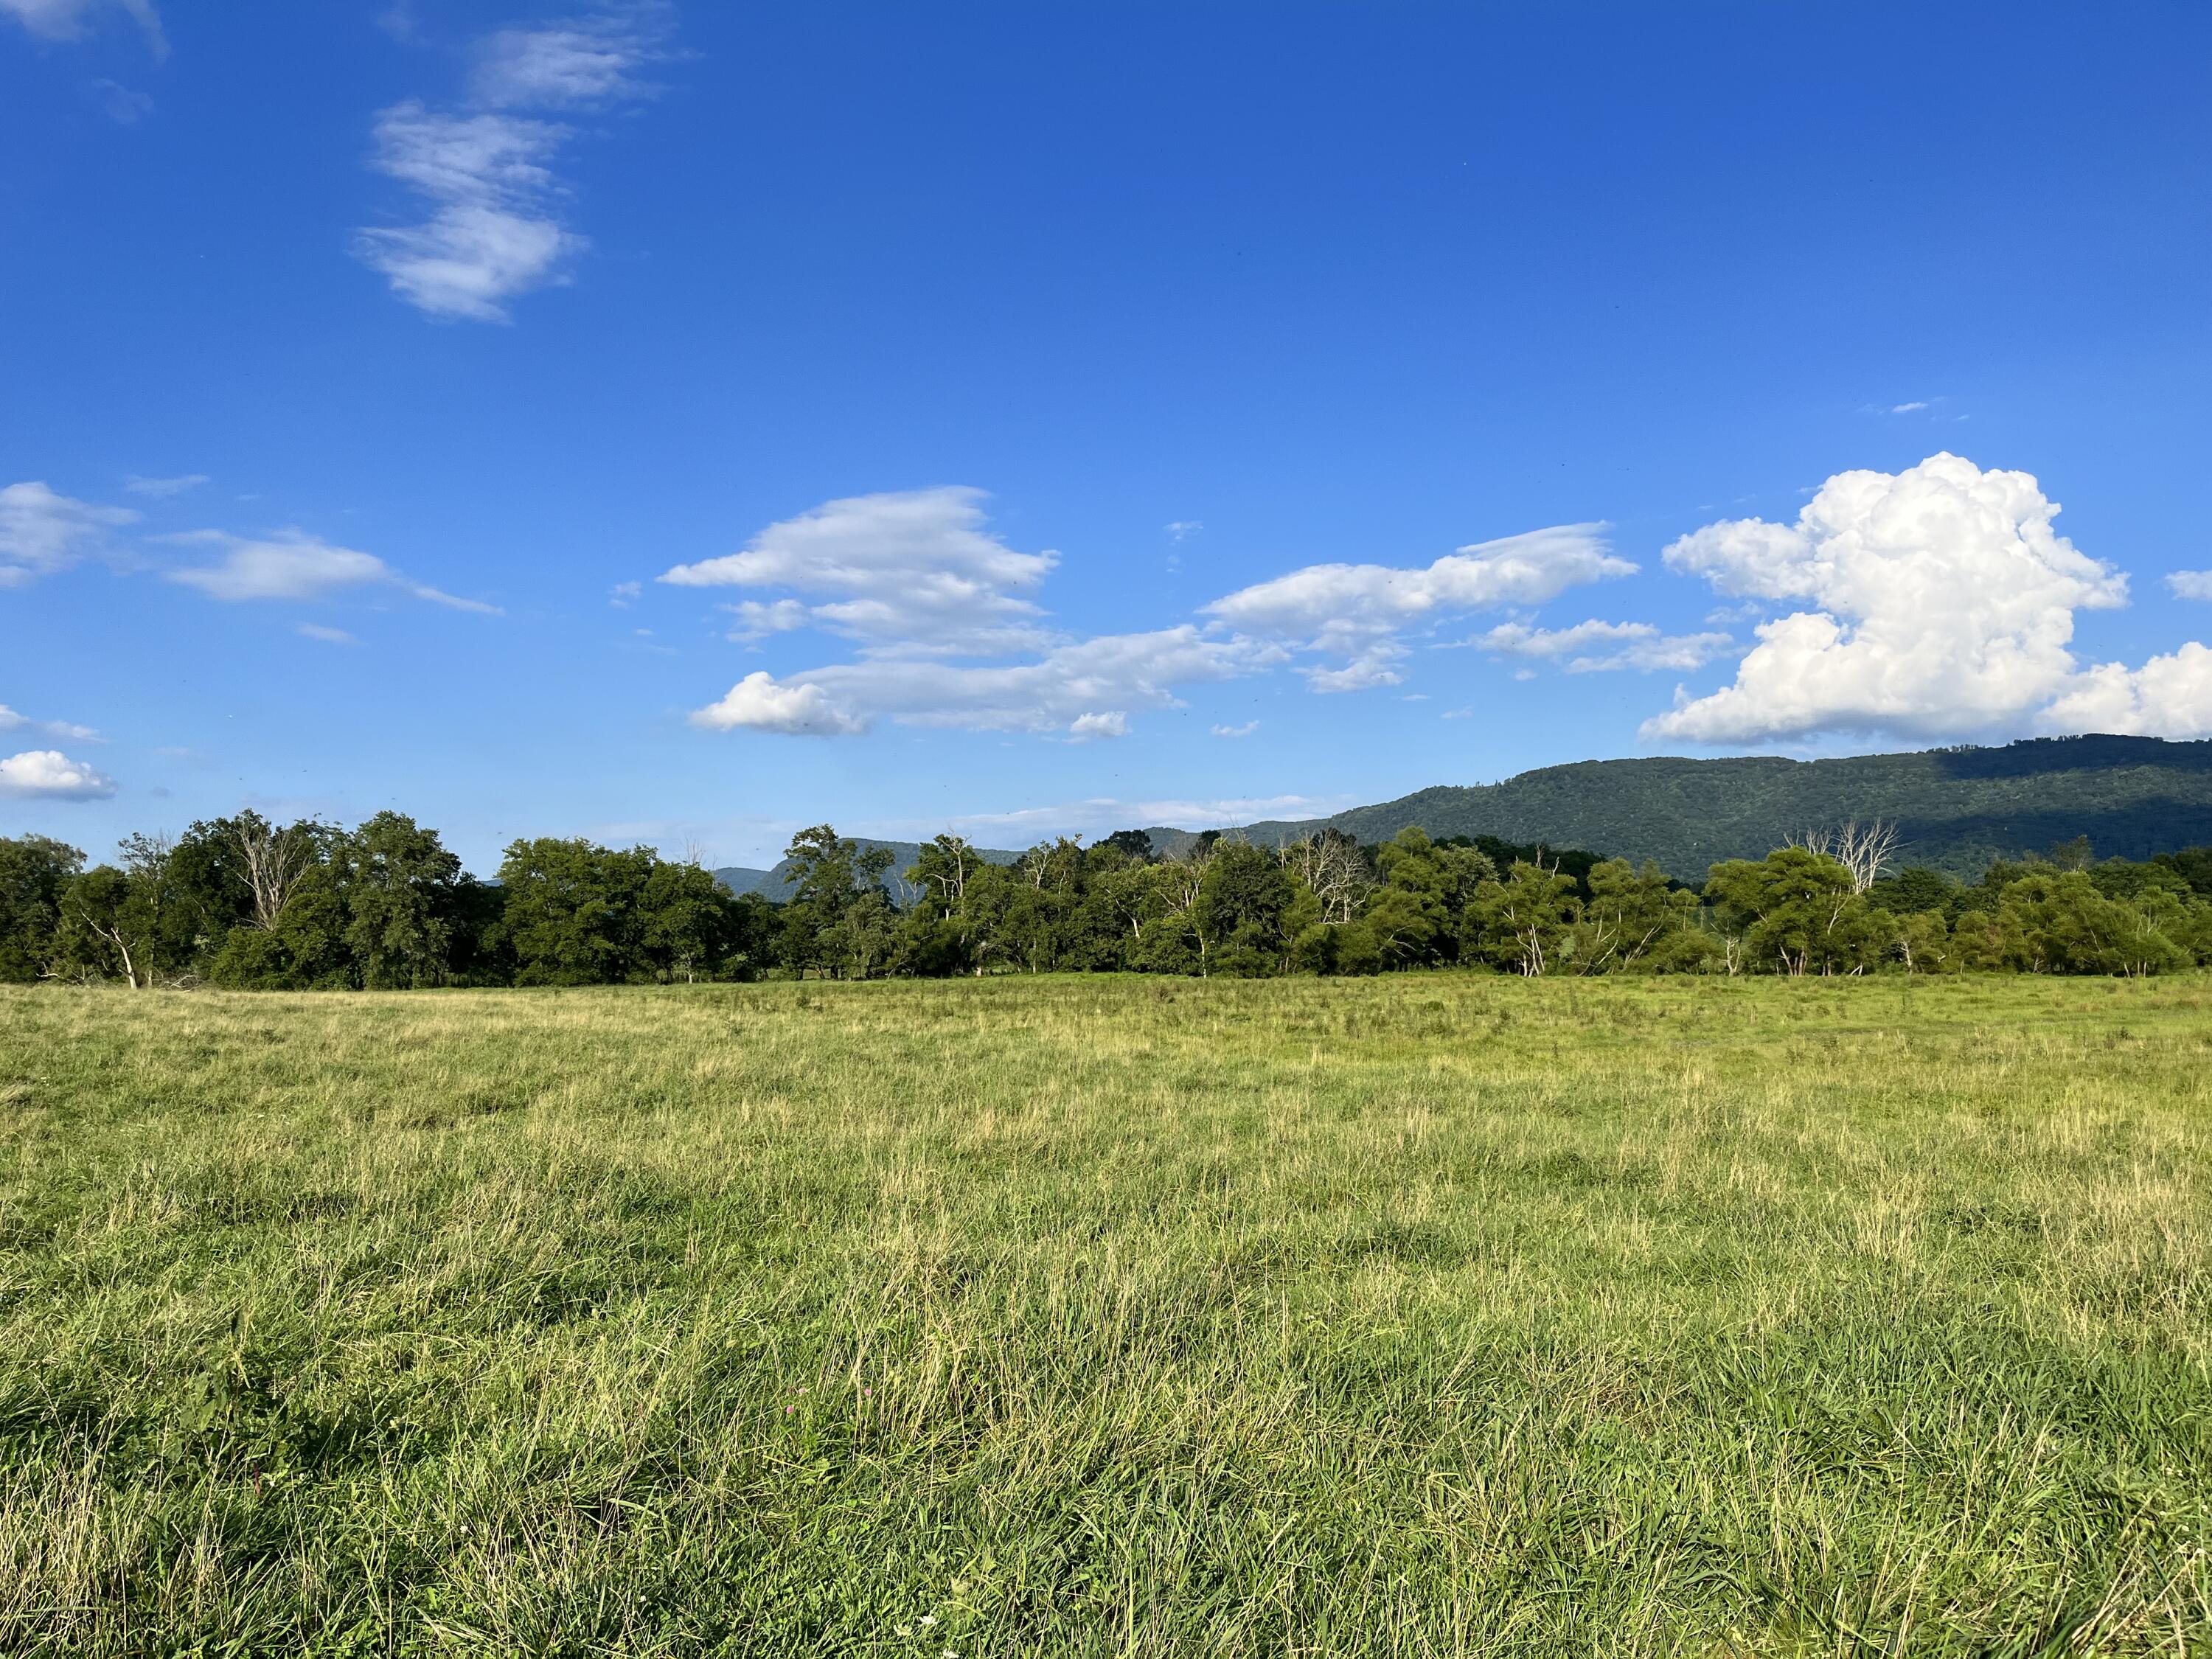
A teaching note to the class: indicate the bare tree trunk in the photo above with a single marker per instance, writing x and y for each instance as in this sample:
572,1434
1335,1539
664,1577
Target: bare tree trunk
275,861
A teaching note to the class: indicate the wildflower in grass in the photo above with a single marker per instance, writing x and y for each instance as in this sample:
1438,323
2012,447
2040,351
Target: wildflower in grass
927,1619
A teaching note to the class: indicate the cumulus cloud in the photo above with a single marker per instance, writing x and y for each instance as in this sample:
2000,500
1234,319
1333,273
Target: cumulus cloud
904,572
497,223
2191,584
65,20
759,703
50,774
1184,529
1114,723
12,721
293,565
1358,611
1064,687
42,532
2169,696
1594,646
1243,730
1942,605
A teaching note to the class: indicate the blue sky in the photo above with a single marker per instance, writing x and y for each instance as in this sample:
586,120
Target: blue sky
687,422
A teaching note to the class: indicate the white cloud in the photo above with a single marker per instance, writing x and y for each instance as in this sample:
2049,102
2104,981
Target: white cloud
10,720
1243,730
42,532
2191,584
1184,529
1114,723
162,489
580,63
1945,608
622,595
122,104
1356,611
905,572
64,20
758,618
1051,694
493,232
327,635
50,774
2169,696
1906,409
1637,646
758,703
290,564
497,225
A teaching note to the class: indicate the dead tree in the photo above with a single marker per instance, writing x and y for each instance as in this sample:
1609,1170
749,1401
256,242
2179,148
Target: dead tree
1865,850
273,860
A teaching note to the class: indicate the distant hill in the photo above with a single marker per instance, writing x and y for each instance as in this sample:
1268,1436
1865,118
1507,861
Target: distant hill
774,884
1957,808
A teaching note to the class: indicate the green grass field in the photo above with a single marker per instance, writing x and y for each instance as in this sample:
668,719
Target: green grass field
1418,1316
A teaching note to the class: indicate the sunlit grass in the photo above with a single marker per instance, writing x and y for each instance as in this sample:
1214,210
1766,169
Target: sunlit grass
1429,1314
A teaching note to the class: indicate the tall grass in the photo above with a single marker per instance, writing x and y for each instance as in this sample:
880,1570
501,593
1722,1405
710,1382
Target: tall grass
1415,1316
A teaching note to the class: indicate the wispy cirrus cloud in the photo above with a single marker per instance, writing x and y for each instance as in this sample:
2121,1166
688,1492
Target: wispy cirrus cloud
163,488
498,222
572,63
70,20
42,532
10,720
1085,688
290,564
1594,646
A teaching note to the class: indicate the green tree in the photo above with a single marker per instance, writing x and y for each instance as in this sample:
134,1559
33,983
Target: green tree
689,923
1417,915
1242,896
2055,921
1635,921
110,926
573,913
838,918
1522,921
34,872
400,887
1799,912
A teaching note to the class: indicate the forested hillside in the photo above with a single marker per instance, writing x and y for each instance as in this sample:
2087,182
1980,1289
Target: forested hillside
775,885
1958,809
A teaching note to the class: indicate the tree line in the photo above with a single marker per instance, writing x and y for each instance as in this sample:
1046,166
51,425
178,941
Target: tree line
244,903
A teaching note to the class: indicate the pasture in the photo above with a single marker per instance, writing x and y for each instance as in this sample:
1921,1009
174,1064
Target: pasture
1431,1315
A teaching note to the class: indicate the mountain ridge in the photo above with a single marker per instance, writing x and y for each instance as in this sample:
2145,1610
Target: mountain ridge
1956,808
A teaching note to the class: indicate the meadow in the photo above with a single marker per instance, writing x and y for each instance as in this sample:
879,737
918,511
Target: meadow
1437,1314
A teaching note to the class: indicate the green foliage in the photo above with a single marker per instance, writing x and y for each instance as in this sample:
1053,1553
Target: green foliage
1957,808
34,872
386,906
